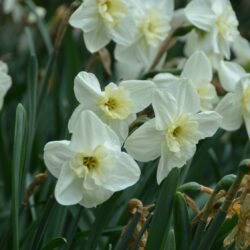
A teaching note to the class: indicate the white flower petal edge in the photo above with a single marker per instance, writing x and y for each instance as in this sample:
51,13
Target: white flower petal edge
68,189
144,144
91,166
92,198
229,74
198,68
209,121
87,88
89,132
5,82
55,154
199,13
140,93
231,111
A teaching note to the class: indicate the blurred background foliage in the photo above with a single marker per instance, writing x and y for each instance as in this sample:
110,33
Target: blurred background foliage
44,223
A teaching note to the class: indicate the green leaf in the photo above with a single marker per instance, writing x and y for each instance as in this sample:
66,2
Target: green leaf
181,222
42,225
18,162
32,104
104,214
170,243
164,204
58,242
123,244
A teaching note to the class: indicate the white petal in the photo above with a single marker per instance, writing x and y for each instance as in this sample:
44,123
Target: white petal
145,143
163,80
77,113
3,67
165,108
163,167
229,74
5,83
56,153
231,111
69,188
209,122
87,89
199,13
186,96
85,17
119,174
140,92
124,33
198,68
97,38
90,131
94,197
120,127
171,160
127,70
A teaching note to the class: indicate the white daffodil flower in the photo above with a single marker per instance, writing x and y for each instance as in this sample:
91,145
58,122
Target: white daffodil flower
152,27
117,105
5,82
175,130
234,106
217,22
90,167
198,71
103,20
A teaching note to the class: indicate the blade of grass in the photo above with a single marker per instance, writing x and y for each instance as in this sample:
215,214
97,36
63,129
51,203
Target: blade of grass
43,223
182,225
18,161
161,219
55,243
32,104
101,221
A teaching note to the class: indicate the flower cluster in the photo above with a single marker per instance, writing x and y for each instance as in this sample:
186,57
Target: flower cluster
181,109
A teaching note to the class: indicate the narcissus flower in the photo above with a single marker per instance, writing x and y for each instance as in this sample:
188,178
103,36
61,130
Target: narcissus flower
116,105
152,27
5,81
103,20
217,23
175,130
235,105
198,71
90,167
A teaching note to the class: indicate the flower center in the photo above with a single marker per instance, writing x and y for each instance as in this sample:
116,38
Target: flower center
111,103
90,162
154,27
116,102
83,163
227,23
183,129
111,10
